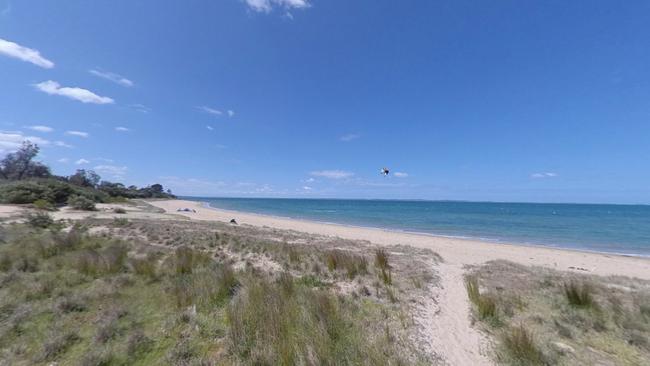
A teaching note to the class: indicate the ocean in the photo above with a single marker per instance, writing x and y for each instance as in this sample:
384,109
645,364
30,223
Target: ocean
621,229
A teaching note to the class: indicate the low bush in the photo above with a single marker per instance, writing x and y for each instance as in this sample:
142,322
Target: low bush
81,203
119,210
44,205
39,220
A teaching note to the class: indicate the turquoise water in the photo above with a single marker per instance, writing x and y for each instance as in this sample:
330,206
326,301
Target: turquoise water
623,229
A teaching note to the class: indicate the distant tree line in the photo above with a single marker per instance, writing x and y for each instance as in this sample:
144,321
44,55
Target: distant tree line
24,180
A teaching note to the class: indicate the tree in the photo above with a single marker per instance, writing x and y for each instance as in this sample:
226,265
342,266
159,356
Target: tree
157,188
84,178
20,165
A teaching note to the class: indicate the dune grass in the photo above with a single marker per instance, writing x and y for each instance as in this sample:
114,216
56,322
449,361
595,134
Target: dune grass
557,318
71,297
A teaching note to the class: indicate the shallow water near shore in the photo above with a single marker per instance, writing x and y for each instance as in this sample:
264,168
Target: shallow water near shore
621,229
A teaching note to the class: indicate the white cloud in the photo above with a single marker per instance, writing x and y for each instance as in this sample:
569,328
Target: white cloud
209,128
212,111
231,113
349,137
111,76
41,128
307,188
12,140
64,160
543,175
140,108
401,174
332,174
81,161
62,144
79,94
15,50
112,170
77,133
310,180
265,6
122,129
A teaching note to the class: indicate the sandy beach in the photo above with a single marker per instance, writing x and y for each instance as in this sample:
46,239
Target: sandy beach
455,252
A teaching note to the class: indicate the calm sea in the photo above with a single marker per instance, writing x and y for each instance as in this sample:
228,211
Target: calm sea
623,229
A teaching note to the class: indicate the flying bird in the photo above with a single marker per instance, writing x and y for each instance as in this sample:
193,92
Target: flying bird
384,171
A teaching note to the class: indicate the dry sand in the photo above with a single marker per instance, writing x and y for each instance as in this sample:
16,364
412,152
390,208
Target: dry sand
451,335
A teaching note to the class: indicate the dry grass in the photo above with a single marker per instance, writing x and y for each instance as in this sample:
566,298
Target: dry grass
189,293
576,319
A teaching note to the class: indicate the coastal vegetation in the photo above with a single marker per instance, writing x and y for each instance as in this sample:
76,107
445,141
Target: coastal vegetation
127,291
26,181
538,316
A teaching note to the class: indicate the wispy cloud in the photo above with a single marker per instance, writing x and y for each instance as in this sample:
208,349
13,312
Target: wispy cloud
349,137
77,133
122,129
12,140
15,50
212,111
332,174
543,175
62,144
140,108
41,128
307,188
82,161
401,174
265,6
111,76
112,170
231,113
79,94
64,160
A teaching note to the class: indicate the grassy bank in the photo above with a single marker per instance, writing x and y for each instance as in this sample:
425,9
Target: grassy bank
117,292
538,316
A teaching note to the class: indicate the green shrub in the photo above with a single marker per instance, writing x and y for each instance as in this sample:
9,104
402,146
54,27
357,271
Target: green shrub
81,203
119,210
50,190
39,220
579,295
42,204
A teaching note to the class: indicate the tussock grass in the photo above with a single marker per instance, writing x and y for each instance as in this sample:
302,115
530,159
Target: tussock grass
486,304
110,260
579,295
519,347
381,262
270,326
353,264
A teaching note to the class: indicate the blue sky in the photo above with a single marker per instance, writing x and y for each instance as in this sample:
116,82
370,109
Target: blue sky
544,101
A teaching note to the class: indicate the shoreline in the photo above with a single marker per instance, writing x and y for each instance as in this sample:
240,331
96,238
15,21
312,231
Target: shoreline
455,251
434,235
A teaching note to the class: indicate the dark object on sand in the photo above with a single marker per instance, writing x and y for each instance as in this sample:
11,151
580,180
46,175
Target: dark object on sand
233,221
185,210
